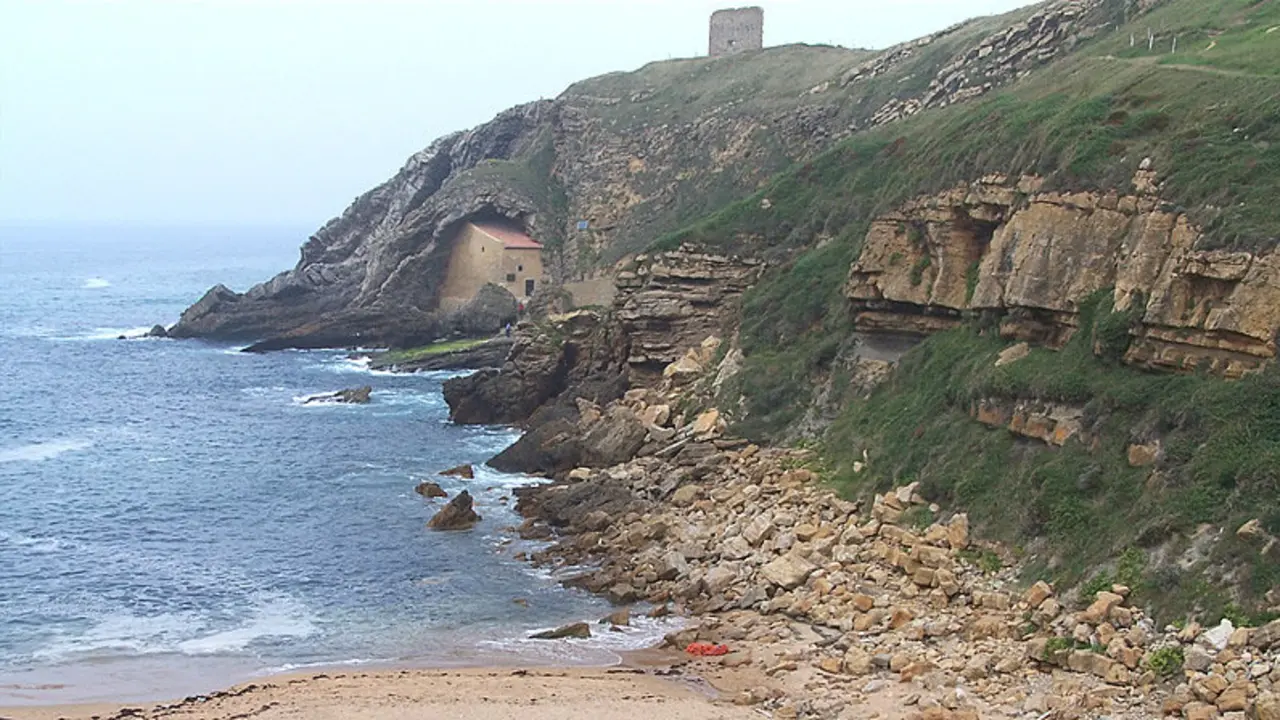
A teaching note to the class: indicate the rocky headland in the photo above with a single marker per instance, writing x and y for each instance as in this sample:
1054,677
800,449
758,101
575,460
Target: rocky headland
934,382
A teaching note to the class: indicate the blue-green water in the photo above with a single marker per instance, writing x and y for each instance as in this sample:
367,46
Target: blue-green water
173,518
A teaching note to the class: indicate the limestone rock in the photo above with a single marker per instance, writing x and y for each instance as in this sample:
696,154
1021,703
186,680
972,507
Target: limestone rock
463,471
1013,354
788,571
430,490
1140,247
1144,455
457,515
857,662
686,495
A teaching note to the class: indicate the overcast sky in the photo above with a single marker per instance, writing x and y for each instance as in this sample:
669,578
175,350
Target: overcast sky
280,112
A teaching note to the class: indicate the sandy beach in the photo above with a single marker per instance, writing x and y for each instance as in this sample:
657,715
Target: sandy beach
486,694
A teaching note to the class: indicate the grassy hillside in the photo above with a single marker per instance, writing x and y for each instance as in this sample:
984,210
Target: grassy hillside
1078,507
1209,118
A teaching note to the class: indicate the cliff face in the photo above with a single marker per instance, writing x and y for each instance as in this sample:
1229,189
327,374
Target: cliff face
999,246
609,166
376,269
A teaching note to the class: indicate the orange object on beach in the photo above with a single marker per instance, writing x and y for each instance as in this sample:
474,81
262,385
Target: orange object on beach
706,649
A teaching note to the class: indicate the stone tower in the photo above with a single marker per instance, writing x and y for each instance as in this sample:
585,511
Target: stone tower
736,30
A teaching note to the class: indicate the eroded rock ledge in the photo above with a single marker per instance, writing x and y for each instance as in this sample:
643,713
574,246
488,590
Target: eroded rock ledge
1004,247
670,302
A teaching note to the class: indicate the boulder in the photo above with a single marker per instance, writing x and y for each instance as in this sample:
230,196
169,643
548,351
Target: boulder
686,495
457,515
707,422
958,532
462,471
1267,636
788,572
430,490
857,662
157,331
1013,354
1101,607
1038,593
617,618
672,566
573,630
1267,706
1144,455
735,548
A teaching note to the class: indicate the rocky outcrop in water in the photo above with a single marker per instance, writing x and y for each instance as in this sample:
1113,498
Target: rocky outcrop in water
430,490
489,354
1029,258
350,396
457,515
372,275
579,350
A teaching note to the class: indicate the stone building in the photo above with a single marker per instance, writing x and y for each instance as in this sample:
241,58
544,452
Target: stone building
489,252
736,30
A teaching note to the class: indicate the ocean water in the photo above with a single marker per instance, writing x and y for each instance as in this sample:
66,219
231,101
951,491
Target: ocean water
173,518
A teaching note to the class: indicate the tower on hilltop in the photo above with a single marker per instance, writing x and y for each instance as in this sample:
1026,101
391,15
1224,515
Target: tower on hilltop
736,30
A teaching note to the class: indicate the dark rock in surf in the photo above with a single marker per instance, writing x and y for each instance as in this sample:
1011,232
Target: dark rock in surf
430,490
351,396
575,630
462,471
457,515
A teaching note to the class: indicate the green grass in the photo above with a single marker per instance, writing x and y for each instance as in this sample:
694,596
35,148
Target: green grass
1081,505
409,355
1229,35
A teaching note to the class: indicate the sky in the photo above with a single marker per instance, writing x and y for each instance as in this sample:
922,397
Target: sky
280,112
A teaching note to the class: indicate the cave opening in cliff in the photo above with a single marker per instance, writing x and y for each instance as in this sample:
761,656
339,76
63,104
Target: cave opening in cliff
972,234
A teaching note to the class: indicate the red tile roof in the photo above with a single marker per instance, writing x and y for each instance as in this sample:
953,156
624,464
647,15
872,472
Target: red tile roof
511,239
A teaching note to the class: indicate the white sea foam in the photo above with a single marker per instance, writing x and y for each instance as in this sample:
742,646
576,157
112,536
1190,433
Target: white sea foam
344,365
108,333
296,667
31,543
37,452
122,633
96,283
601,648
276,618
180,632
318,400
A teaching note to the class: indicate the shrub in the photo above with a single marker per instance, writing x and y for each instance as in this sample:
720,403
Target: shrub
1166,662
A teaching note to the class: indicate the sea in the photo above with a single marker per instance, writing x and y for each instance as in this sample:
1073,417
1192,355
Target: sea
175,518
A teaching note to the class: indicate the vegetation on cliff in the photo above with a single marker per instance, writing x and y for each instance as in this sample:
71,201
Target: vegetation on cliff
1083,504
1208,119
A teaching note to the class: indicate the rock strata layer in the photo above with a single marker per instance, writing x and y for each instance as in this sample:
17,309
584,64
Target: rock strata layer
1003,247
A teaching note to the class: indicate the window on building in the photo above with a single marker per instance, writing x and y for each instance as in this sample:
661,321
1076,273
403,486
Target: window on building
519,268
528,287
511,277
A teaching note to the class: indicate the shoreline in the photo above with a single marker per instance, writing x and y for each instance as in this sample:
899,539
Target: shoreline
644,680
